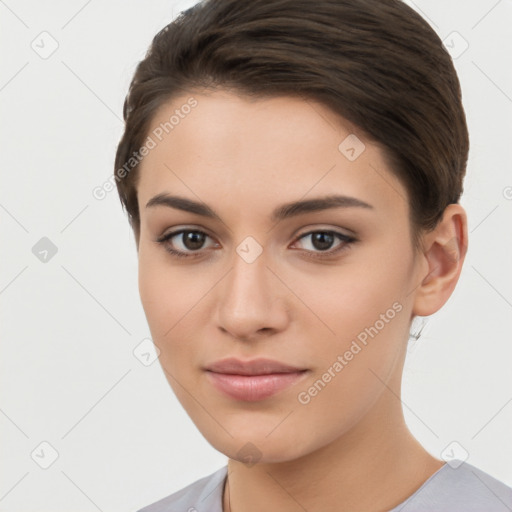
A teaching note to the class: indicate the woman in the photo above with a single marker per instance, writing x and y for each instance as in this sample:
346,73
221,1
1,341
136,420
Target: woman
292,173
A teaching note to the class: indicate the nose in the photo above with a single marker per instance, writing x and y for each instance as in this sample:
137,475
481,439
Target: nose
251,302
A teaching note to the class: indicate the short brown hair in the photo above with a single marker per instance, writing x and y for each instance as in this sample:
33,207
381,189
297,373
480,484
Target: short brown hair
377,63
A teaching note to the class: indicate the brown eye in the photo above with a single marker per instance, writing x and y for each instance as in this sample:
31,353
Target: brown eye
193,240
324,243
322,240
185,242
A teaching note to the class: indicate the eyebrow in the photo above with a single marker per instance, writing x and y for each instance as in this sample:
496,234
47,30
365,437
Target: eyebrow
282,212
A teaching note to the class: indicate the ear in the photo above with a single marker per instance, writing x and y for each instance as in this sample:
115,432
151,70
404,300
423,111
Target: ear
444,250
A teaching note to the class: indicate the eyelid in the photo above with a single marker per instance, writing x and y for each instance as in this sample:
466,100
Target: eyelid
313,228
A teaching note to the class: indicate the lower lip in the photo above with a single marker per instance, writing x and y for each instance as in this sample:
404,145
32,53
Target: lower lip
252,388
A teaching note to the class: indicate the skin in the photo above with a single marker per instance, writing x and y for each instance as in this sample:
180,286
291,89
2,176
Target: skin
349,448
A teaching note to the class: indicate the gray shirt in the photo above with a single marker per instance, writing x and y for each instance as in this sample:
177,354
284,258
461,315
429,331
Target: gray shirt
455,487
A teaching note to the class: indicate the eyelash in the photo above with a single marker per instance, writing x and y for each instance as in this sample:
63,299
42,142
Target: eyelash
348,241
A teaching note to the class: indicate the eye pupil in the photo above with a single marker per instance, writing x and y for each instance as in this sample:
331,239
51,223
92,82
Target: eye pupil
193,240
322,240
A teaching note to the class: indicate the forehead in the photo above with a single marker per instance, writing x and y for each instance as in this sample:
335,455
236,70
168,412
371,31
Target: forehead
223,146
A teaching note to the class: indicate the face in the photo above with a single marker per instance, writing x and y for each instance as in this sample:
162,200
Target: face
230,269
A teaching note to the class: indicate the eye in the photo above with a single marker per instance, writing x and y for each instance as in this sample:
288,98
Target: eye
188,243
185,242
320,242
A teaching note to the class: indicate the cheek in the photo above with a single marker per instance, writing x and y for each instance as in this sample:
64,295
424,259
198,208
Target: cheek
173,301
353,368
369,326
150,291
351,298
162,293
366,308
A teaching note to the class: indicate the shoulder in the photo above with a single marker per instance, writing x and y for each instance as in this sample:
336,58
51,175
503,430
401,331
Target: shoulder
459,487
203,494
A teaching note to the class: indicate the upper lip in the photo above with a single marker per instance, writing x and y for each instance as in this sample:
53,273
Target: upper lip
252,367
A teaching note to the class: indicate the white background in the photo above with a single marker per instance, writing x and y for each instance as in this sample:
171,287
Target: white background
69,326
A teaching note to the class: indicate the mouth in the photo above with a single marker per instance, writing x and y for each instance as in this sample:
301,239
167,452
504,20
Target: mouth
254,380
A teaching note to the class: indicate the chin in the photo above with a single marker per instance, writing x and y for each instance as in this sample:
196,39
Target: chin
256,446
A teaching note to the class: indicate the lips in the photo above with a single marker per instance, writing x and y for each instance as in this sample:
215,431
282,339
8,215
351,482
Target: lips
253,367
252,380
